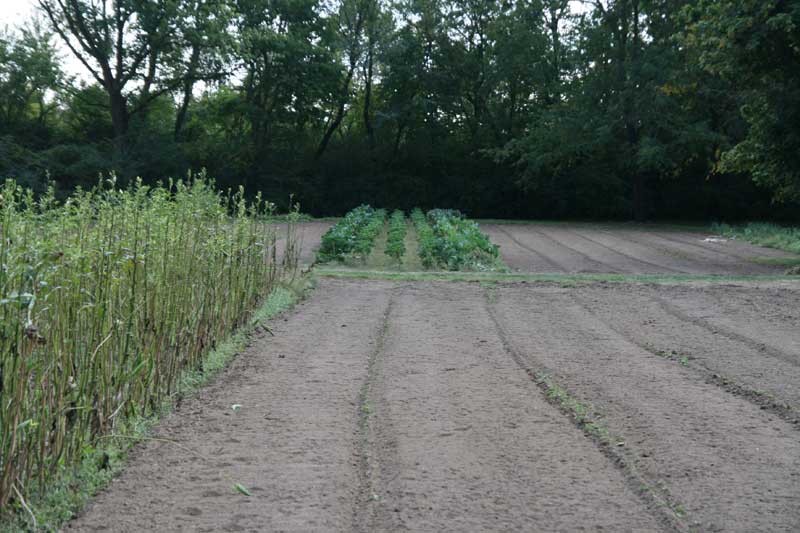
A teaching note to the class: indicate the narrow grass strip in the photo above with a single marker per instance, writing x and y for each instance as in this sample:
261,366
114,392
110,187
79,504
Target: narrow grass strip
564,279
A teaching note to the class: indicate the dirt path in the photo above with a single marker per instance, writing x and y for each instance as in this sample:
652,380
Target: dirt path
582,248
386,406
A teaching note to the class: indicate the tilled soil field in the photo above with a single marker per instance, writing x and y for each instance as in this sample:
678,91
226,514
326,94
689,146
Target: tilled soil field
440,406
308,239
625,249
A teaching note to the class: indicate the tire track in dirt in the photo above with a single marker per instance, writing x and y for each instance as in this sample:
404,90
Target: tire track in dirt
293,442
718,329
659,268
727,254
696,261
546,259
364,515
711,375
734,466
657,499
464,441
600,267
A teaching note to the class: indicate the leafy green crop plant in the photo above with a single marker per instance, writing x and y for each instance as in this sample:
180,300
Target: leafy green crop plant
458,244
396,240
105,301
353,236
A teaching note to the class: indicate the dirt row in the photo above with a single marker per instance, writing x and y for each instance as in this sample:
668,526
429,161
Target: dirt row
386,406
308,235
579,248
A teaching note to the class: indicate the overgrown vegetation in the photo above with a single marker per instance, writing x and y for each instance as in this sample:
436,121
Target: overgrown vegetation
108,300
763,234
396,240
353,236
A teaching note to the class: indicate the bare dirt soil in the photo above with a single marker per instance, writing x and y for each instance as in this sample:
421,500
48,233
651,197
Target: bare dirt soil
439,406
626,249
308,239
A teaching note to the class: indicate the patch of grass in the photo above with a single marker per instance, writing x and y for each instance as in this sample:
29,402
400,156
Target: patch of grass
763,234
74,486
582,413
778,261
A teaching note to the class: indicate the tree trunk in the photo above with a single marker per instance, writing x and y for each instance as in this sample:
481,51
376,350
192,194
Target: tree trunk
368,97
188,87
338,117
119,114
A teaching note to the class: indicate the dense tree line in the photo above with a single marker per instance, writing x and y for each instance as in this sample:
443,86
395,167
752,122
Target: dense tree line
535,108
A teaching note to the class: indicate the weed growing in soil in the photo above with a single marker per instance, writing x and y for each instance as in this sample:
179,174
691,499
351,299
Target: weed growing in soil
395,243
353,236
106,302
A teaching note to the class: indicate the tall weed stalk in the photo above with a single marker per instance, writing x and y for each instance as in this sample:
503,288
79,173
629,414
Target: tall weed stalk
105,300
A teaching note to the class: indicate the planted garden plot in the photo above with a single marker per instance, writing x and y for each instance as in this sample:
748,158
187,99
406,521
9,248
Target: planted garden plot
443,239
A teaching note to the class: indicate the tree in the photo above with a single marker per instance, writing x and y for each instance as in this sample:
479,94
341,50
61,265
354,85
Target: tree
127,46
753,46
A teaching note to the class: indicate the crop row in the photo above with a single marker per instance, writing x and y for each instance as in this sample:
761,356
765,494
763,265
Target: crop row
450,241
353,236
104,302
396,239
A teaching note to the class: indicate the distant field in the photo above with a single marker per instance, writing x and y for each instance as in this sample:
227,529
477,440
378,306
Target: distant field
630,249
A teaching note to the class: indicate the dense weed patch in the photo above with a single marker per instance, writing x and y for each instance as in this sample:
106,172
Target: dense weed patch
106,301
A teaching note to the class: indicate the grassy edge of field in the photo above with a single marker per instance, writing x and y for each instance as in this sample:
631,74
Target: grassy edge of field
564,279
786,238
63,500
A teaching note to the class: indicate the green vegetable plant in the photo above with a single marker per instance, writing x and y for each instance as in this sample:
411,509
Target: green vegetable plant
353,236
395,242
456,243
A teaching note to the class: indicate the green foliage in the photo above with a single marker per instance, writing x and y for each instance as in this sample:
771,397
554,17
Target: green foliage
536,109
353,236
105,301
763,234
425,238
452,242
753,47
396,240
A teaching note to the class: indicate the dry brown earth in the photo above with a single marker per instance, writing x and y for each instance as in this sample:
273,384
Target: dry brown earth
625,249
385,406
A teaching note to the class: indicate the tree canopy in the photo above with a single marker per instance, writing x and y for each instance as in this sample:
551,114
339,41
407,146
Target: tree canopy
506,108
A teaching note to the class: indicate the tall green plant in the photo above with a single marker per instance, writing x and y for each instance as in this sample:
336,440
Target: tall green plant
105,300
